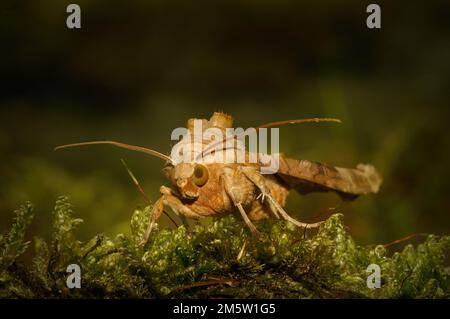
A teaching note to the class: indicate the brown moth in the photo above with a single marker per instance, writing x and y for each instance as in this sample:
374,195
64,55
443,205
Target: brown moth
208,188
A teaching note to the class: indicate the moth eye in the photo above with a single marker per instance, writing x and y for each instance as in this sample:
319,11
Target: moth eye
200,175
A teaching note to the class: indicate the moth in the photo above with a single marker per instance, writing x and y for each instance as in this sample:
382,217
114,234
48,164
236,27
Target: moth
202,188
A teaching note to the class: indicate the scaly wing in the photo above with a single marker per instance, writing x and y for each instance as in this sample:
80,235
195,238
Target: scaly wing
307,176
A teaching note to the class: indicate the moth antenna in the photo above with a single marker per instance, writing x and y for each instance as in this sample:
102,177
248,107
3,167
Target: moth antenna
121,145
271,124
404,238
311,120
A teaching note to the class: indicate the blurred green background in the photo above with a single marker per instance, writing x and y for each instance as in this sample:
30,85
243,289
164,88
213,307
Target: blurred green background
138,69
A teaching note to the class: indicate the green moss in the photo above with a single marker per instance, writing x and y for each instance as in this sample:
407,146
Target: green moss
210,261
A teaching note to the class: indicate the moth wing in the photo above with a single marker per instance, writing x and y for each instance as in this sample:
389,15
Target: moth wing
307,176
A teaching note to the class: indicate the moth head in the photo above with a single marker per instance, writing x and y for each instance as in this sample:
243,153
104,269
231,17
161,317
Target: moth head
188,178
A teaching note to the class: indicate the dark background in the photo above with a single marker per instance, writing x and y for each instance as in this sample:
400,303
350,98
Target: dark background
138,69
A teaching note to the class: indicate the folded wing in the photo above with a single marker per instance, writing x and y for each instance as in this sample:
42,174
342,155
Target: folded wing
307,176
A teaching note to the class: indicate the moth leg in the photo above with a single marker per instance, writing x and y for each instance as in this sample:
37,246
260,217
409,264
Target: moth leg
179,208
256,178
167,199
235,195
259,181
156,212
246,219
171,200
289,218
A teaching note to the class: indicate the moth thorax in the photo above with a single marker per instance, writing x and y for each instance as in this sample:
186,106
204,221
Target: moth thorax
221,120
218,120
